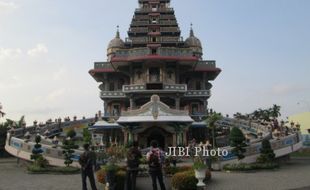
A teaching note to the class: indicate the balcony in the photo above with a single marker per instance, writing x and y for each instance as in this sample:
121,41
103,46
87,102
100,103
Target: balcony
165,88
112,94
168,22
134,88
162,51
103,65
169,29
140,23
139,30
168,17
149,1
198,93
149,10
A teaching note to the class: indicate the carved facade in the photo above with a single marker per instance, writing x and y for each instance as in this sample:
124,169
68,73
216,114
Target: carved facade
155,62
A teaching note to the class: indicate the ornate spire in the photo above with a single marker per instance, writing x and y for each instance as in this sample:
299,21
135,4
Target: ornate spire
117,32
191,34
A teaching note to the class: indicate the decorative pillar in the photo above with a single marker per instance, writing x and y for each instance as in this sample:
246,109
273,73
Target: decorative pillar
185,137
125,137
132,102
174,139
105,107
205,106
177,102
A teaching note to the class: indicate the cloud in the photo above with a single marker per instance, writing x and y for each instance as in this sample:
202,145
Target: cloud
38,50
60,74
56,94
7,6
9,53
285,89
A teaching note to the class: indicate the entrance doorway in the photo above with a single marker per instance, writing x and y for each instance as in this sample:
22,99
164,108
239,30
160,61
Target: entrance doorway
157,137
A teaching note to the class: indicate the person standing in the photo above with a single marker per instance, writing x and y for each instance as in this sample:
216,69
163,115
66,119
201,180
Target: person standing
155,158
133,162
87,164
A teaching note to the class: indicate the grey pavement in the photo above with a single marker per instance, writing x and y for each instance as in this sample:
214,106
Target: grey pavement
293,176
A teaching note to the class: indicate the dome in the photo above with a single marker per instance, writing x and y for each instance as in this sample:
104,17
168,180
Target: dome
192,41
117,42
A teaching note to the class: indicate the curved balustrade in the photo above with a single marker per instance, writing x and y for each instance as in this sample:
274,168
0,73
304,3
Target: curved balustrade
281,146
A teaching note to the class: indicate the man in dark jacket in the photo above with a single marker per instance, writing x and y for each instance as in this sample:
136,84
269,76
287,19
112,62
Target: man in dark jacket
133,161
86,163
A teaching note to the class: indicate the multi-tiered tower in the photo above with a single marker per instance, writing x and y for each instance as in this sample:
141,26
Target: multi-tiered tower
154,84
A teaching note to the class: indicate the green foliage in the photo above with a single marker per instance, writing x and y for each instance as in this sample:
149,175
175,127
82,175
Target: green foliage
199,165
249,167
262,114
301,153
171,170
237,141
266,153
37,152
184,181
71,133
3,132
86,136
52,170
211,123
120,176
68,146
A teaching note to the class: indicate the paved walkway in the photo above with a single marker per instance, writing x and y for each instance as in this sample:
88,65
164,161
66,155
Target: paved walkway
294,175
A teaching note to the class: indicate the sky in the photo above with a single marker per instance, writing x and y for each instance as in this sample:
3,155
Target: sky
47,48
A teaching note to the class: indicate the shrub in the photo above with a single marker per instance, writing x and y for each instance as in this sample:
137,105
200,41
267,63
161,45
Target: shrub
101,176
34,169
120,175
186,180
249,167
68,146
171,170
266,153
237,141
86,136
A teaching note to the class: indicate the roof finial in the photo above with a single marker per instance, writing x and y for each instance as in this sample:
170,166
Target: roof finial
117,32
191,31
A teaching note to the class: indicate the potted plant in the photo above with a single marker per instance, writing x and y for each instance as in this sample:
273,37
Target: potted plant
216,164
115,154
200,169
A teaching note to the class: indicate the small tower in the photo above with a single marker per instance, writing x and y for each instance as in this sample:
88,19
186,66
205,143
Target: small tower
194,43
115,44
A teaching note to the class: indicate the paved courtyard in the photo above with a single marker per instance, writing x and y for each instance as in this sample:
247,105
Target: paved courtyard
295,175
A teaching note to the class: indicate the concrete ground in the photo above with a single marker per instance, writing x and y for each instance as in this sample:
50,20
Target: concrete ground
295,175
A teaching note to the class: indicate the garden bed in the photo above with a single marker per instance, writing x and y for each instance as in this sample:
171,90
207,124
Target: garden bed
251,167
33,169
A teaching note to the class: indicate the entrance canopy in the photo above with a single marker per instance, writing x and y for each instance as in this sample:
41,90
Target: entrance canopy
104,125
155,111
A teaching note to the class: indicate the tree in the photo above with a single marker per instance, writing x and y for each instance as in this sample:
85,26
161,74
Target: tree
237,141
36,155
1,113
275,111
86,136
178,129
266,153
211,123
68,147
3,133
